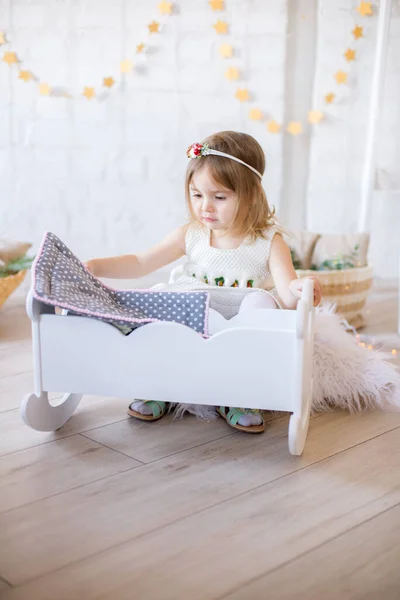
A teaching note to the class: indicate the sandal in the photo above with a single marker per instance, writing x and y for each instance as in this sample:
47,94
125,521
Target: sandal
158,409
233,415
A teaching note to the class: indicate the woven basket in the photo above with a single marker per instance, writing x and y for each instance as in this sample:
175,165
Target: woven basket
347,289
9,284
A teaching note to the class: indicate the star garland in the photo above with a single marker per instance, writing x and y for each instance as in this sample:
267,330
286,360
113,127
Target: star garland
89,92
364,9
232,73
226,51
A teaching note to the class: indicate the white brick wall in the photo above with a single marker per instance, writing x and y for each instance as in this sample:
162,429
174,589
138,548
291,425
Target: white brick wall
107,176
338,145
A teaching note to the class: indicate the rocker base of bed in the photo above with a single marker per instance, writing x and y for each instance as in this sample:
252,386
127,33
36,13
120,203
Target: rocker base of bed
38,413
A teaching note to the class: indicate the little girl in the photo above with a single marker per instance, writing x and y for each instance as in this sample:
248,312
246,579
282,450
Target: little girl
232,243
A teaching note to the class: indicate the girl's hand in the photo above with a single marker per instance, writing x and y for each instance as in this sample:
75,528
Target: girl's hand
296,288
91,266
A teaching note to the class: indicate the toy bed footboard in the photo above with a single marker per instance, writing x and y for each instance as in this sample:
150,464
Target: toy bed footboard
261,359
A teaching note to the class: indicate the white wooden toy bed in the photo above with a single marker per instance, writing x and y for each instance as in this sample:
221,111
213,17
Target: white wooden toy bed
260,359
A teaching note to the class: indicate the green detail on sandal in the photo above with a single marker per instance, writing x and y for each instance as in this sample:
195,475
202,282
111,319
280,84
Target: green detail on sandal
234,414
157,407
232,417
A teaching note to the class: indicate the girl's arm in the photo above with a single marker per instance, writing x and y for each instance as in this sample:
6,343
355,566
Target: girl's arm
133,266
288,285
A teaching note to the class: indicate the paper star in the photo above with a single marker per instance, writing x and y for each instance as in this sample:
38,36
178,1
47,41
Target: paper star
2,38
108,82
25,75
221,27
273,127
358,32
315,116
126,66
226,51
242,94
294,128
44,89
140,48
350,55
165,8
10,58
88,92
154,27
365,9
329,98
217,4
341,77
255,114
232,73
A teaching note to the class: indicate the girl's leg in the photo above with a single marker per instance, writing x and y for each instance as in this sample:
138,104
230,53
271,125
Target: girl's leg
251,301
257,300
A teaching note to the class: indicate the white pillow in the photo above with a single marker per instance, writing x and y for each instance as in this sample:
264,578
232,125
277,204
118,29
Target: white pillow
303,244
329,246
13,250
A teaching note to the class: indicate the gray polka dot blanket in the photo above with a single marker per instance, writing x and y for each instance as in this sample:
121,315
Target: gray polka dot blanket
60,279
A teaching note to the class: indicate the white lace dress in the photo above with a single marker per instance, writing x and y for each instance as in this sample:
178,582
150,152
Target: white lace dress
228,274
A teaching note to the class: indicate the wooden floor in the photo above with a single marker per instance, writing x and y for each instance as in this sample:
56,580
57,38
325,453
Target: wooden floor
108,508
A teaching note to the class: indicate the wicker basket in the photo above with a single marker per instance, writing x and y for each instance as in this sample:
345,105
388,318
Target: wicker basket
9,284
347,289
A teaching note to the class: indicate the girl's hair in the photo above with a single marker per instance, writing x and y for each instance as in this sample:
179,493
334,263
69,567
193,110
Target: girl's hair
253,216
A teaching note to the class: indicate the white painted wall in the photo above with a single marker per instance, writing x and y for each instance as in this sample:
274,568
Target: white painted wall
107,176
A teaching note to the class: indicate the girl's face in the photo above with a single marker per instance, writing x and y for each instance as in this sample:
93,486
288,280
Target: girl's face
212,204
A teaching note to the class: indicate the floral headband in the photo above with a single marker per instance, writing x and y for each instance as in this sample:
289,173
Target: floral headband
196,150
